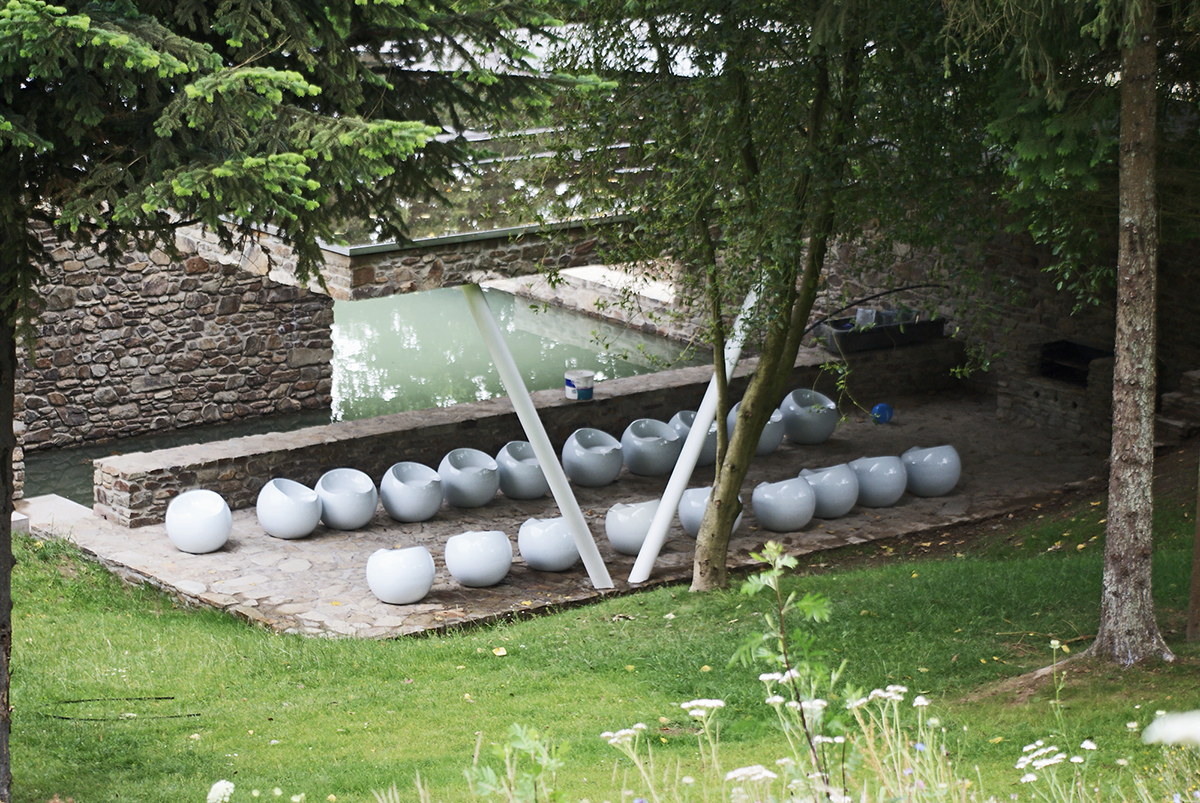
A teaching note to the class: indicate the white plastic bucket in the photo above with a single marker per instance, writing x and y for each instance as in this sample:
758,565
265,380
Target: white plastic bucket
579,384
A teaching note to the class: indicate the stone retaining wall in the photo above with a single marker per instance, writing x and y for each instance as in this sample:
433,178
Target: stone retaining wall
134,490
359,272
154,343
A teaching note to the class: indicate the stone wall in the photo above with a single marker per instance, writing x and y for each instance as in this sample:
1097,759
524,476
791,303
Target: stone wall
375,271
134,490
1015,307
153,343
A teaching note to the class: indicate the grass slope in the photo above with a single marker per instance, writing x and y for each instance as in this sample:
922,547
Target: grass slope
119,694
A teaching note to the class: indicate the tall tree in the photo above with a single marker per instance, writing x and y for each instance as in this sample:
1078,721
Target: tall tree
741,137
1093,109
123,120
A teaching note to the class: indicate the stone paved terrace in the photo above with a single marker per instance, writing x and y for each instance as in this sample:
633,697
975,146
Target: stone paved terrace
317,585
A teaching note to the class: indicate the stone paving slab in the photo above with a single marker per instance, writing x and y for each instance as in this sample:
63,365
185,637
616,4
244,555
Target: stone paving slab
317,585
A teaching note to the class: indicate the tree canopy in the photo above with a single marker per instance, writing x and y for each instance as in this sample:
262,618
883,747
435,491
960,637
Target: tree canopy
741,138
123,120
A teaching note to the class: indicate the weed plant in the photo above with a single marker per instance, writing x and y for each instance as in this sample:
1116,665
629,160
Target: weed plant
120,693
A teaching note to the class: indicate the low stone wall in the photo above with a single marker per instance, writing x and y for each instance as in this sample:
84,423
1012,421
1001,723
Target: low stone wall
134,490
154,343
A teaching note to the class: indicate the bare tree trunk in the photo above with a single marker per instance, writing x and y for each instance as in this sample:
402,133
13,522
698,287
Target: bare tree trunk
8,366
1128,632
1193,620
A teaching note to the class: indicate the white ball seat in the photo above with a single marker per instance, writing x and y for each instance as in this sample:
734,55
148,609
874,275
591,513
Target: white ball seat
348,498
400,576
199,521
933,471
626,525
479,558
521,475
682,423
836,488
771,436
592,457
808,416
881,480
288,509
547,545
411,492
784,507
692,503
470,478
650,448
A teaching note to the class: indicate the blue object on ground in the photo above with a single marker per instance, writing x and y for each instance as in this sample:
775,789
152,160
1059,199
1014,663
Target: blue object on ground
882,413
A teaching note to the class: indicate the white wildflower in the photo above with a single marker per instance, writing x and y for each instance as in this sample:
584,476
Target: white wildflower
1049,761
221,792
921,701
706,704
1122,762
1055,644
855,702
814,706
770,677
687,780
1131,725
1088,744
1177,728
774,699
1028,777
641,726
751,774
1076,759
894,689
785,762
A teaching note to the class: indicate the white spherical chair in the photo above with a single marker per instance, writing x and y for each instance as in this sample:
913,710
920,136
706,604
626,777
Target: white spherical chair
784,507
626,525
682,422
691,510
592,457
836,488
933,471
411,492
808,416
348,498
287,509
479,558
470,478
521,475
881,480
400,576
771,436
199,521
547,545
650,448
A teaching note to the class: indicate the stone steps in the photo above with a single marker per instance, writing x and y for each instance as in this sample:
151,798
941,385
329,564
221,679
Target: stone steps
1179,418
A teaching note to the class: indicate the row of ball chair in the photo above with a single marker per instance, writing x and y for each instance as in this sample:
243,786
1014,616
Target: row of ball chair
346,498
475,559
874,482
648,447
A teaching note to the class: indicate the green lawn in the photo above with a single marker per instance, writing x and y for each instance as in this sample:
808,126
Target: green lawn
120,694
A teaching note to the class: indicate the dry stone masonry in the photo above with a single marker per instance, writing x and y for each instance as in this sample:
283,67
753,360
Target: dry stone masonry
153,343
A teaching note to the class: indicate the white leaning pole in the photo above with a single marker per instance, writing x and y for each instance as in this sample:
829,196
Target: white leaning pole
510,377
656,536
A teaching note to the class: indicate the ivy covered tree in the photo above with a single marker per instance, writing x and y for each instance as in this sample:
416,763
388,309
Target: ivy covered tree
741,137
123,120
1097,107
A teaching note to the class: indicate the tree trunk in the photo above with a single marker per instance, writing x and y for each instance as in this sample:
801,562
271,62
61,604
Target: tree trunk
8,366
1193,620
1128,632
